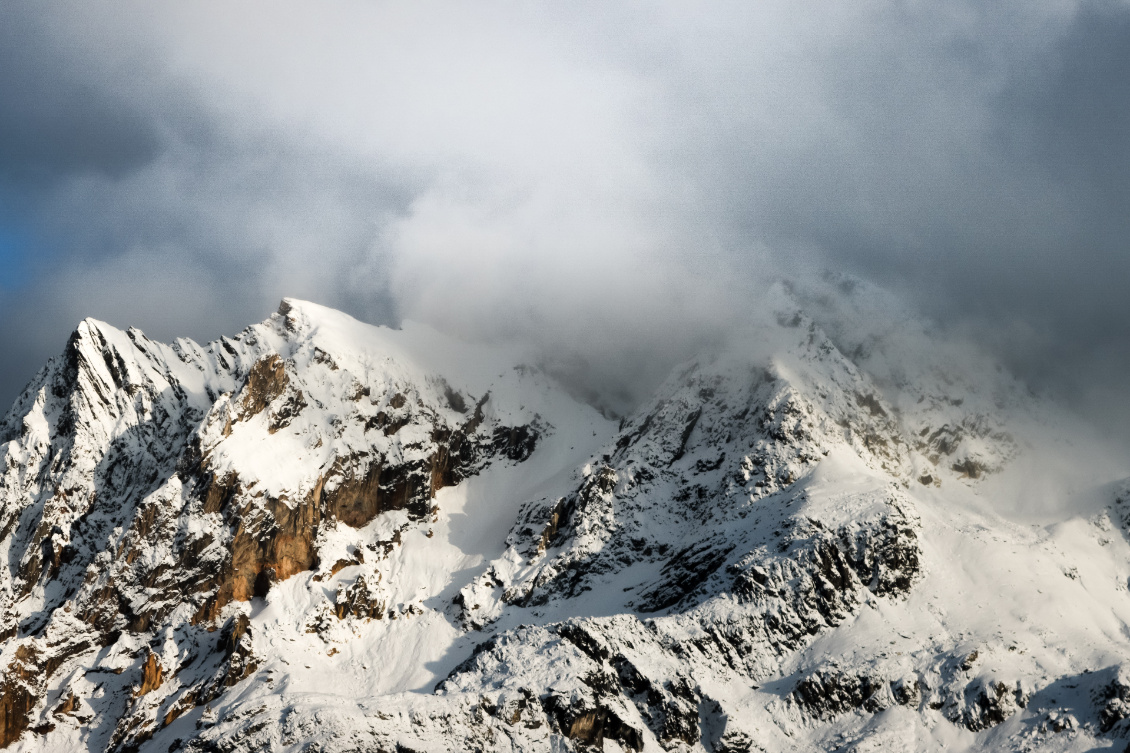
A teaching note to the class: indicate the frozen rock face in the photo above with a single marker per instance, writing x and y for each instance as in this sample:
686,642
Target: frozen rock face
151,492
321,535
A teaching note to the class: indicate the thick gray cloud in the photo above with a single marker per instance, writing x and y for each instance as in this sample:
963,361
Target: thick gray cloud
616,182
53,123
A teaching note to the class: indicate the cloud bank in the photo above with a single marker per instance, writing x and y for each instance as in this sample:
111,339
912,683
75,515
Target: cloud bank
617,182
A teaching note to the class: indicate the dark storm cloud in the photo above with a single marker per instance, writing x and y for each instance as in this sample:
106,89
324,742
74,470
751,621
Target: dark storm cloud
53,123
615,181
1081,106
1072,127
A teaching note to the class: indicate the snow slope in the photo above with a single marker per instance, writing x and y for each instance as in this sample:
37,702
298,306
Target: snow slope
835,533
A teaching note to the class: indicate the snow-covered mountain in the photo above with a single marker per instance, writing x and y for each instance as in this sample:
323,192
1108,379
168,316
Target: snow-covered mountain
838,532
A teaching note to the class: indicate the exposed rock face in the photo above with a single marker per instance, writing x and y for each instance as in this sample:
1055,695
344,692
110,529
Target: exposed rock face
828,694
266,382
151,675
18,694
359,600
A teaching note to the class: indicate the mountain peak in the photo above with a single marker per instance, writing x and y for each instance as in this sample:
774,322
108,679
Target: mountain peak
395,540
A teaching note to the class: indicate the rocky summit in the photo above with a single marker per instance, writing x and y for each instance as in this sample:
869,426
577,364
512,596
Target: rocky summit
321,535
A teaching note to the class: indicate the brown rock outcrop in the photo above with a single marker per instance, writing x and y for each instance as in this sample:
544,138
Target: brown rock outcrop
18,694
68,706
152,673
266,381
358,601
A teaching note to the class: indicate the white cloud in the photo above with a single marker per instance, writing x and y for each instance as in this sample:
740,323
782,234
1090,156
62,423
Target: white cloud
609,178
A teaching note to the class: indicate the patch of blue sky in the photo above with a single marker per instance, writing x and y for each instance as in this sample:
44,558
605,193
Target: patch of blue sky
15,251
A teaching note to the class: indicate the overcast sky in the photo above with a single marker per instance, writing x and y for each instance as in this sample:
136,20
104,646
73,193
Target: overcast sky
610,178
